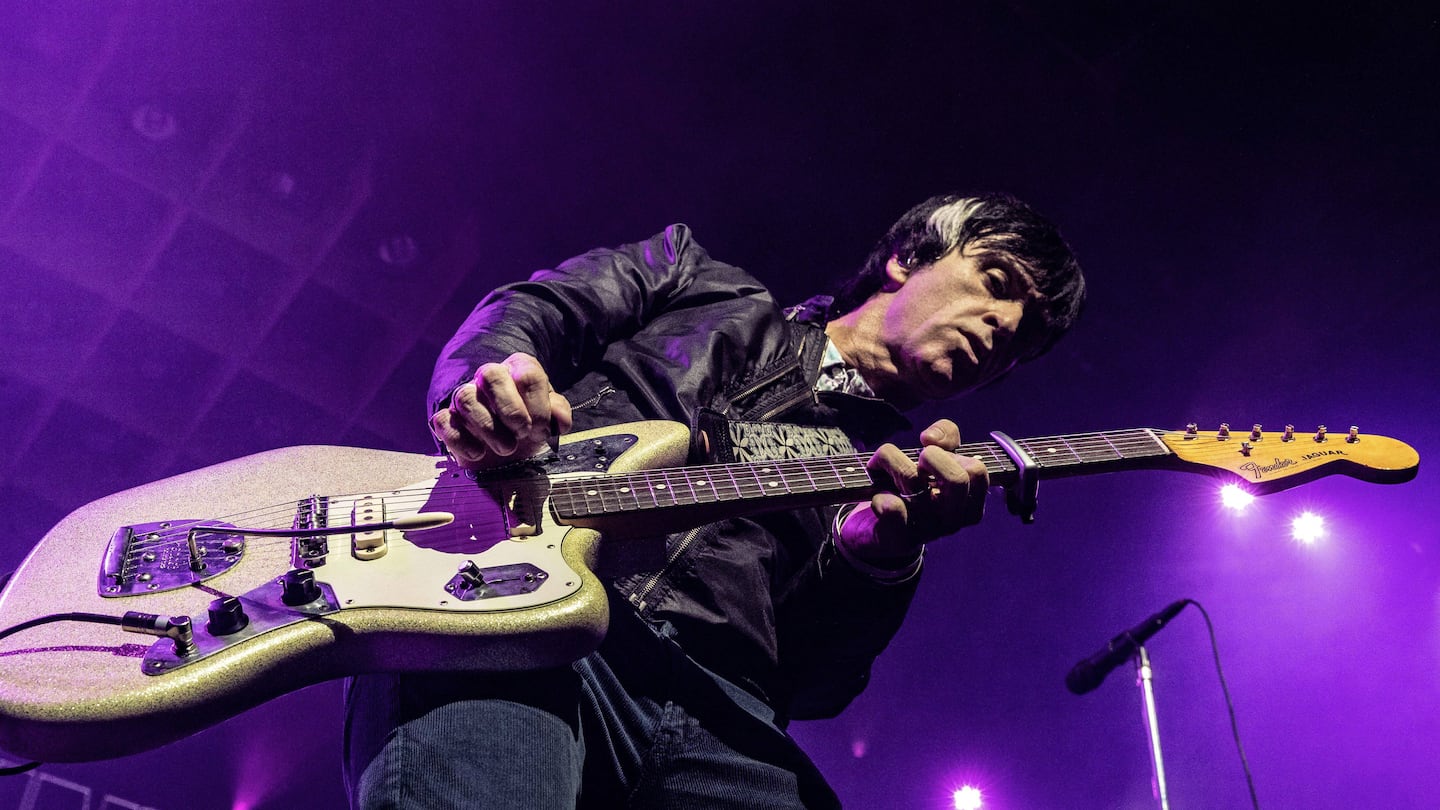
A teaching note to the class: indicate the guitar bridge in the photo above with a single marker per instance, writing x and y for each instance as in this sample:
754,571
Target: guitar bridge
308,551
164,556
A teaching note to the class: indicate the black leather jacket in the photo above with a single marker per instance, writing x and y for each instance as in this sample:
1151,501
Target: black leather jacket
659,330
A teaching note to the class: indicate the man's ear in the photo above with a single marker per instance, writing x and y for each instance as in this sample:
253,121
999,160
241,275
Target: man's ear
896,274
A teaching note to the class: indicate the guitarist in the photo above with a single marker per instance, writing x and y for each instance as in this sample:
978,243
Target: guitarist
749,622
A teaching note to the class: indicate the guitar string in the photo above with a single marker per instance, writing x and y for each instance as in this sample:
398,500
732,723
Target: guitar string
609,484
612,484
621,485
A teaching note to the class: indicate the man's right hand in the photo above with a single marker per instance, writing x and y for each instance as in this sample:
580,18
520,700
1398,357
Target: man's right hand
505,414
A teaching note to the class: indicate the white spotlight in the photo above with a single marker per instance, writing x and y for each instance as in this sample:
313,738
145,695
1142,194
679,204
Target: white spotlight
968,798
1307,527
1233,496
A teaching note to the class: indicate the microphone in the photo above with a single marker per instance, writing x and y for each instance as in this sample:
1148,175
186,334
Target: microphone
1088,674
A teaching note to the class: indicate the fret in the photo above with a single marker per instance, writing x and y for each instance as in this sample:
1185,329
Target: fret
749,481
702,488
1160,448
824,476
1054,451
1116,450
594,500
989,454
768,480
660,492
733,491
626,495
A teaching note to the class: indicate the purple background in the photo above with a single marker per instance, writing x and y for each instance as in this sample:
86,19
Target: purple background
1253,195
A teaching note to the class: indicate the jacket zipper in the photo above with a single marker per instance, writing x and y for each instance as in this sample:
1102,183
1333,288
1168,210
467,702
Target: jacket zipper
772,377
640,594
605,391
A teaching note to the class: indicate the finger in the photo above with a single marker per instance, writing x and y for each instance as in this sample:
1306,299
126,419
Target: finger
957,486
893,536
943,433
532,385
461,445
503,417
560,412
892,469
472,418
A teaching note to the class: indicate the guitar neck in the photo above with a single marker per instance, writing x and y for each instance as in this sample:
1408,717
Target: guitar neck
687,495
1077,454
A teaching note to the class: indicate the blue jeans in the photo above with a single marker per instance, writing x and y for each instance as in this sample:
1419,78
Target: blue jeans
637,724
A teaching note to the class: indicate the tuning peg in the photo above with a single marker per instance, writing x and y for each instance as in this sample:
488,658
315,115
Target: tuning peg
1289,434
1320,434
1354,435
1255,433
1244,448
1192,430
1224,431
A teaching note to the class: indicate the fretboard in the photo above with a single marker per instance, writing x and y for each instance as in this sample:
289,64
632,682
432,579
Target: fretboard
831,479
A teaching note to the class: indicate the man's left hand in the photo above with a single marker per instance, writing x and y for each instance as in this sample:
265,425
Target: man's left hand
924,501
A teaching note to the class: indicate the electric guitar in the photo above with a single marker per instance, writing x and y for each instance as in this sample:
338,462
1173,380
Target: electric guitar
258,576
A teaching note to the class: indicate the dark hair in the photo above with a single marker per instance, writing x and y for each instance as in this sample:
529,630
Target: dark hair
998,222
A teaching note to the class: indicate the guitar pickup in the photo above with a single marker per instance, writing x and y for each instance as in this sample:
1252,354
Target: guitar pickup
368,545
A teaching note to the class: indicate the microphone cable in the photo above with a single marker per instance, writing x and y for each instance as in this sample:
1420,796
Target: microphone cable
1229,705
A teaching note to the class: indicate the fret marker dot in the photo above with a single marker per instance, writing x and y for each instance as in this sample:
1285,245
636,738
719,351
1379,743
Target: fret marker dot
624,489
592,492
659,486
702,483
772,484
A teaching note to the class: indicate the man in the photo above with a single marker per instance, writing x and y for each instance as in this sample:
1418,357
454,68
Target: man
749,622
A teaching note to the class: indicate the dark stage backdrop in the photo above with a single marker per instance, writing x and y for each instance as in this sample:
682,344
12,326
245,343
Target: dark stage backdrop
229,227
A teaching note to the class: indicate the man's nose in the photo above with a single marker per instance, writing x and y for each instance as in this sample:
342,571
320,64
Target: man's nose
1004,318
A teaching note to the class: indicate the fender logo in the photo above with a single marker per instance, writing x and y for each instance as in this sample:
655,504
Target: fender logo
1258,470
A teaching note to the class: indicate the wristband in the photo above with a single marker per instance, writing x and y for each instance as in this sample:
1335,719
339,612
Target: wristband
881,575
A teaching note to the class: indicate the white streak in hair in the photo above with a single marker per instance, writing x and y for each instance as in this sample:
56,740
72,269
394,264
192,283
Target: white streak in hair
948,221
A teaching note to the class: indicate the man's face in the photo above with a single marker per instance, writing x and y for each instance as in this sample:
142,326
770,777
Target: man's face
950,326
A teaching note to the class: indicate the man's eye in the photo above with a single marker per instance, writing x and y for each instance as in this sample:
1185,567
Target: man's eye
998,282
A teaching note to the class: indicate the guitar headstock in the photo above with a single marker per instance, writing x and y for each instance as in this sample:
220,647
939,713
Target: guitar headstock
1270,461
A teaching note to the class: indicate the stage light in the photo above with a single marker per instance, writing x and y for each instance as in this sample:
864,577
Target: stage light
154,122
1233,496
1307,527
968,798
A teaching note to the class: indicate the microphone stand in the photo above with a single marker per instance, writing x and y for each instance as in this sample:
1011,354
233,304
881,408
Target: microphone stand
1152,723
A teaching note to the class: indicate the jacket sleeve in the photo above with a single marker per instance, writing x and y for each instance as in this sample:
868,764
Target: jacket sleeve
566,316
831,623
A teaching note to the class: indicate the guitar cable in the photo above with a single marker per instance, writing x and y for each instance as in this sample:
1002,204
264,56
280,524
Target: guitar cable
94,618
7,632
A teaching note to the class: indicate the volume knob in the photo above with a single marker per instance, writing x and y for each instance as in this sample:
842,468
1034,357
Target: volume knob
298,586
227,615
